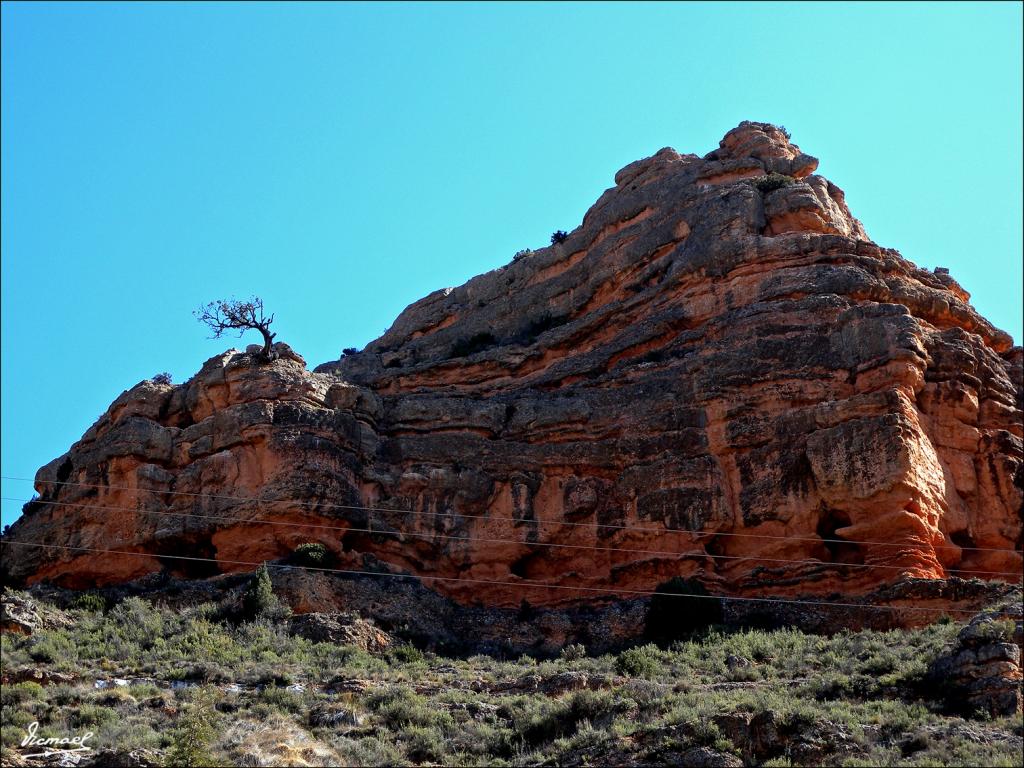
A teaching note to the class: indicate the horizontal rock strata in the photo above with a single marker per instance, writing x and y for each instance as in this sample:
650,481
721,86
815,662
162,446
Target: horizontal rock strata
716,375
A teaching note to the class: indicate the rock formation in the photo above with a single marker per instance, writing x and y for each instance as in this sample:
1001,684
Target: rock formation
341,629
982,672
716,375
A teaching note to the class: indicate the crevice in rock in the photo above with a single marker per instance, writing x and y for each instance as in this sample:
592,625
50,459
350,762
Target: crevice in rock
839,551
64,470
962,539
168,551
525,566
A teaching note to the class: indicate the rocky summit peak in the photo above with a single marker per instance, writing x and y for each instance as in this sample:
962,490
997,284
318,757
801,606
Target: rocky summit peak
762,141
716,376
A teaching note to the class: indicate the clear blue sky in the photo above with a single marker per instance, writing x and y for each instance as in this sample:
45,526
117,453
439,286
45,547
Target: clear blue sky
344,160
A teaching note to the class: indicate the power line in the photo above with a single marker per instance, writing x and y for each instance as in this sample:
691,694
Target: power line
370,530
520,584
330,505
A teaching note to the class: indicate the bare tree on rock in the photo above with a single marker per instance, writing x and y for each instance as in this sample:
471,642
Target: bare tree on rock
223,316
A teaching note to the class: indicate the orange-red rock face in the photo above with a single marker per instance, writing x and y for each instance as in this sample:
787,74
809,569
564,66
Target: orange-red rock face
703,380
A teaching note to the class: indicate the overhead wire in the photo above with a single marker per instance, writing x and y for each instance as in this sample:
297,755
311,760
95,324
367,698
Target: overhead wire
331,505
493,582
432,535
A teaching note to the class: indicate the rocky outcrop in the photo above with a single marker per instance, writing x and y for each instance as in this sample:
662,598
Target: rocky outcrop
35,675
982,672
709,378
20,614
341,629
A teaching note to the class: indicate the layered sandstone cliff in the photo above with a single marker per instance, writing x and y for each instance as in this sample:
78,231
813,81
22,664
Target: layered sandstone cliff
710,377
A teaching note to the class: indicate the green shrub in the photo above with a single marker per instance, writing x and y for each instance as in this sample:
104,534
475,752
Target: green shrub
404,653
129,733
559,236
648,696
281,699
190,740
538,720
92,715
369,750
259,600
53,647
144,690
20,693
15,726
115,697
591,706
89,601
638,662
997,630
773,181
423,744
524,253
400,707
587,738
65,695
138,621
573,652
481,738
312,555
207,672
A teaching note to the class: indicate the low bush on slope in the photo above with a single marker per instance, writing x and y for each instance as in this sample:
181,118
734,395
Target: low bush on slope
187,685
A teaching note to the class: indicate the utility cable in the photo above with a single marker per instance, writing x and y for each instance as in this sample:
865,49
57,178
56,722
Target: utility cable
431,536
330,505
492,582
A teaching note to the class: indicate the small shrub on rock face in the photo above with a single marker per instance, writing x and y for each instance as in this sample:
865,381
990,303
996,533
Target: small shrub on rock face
995,631
522,254
559,236
773,181
162,378
349,351
312,555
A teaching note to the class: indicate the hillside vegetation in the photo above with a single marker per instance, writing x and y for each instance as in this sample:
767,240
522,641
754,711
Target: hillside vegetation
160,685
